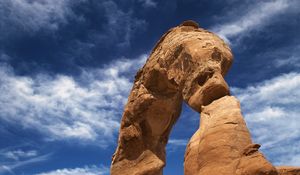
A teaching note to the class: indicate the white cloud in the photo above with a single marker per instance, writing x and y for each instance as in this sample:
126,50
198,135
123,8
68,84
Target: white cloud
290,61
33,15
271,109
64,108
177,142
19,154
255,17
4,57
87,170
10,166
148,3
120,25
285,57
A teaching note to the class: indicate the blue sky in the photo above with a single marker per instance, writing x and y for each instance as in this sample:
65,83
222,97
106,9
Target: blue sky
66,69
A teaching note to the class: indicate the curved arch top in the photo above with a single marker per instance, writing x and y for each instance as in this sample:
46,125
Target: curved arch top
187,64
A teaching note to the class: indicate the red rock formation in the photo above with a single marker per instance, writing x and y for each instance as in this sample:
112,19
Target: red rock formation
222,145
288,170
187,64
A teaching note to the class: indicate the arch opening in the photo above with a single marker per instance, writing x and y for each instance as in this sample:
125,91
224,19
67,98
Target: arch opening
180,135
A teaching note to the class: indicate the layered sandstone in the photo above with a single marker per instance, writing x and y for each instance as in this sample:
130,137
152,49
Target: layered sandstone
187,65
222,145
288,170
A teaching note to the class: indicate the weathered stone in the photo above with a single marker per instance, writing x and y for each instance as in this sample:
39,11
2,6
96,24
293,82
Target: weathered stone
288,170
222,145
188,63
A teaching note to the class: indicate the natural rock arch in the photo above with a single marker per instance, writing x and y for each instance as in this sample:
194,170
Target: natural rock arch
187,64
180,60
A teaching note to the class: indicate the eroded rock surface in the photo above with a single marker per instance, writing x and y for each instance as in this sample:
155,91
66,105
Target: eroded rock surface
288,170
222,145
188,63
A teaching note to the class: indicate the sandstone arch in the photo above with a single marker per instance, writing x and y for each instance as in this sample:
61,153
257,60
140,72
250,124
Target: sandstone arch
187,64
170,75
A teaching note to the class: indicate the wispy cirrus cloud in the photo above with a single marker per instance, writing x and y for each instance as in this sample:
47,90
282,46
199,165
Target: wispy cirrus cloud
175,144
178,142
23,158
19,154
287,57
26,17
34,15
120,25
271,109
255,16
62,107
87,170
148,3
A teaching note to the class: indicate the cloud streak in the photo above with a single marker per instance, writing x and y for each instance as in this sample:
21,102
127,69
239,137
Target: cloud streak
19,154
33,15
148,3
255,17
62,107
11,166
177,142
120,25
287,57
271,109
27,17
87,170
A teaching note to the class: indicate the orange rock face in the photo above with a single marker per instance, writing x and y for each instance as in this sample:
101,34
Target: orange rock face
288,170
187,64
222,144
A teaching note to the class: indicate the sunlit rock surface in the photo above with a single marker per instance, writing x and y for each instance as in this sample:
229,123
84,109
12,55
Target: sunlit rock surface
187,64
288,170
223,145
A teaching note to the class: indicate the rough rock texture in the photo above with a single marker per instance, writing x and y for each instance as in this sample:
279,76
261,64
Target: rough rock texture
288,170
222,145
188,63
